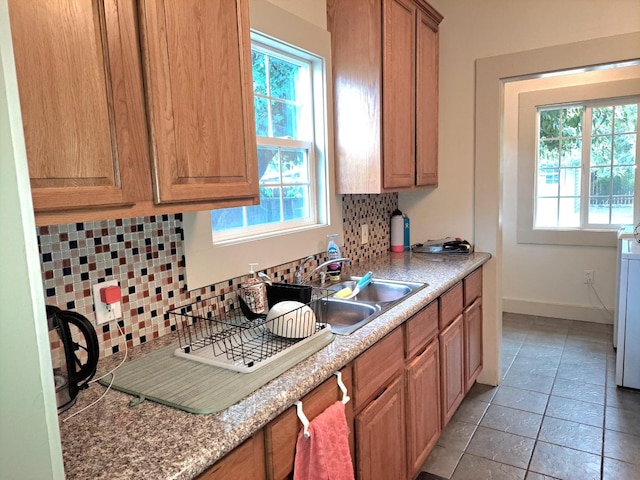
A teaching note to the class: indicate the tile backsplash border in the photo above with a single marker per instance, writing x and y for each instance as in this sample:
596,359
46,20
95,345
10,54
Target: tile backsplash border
146,256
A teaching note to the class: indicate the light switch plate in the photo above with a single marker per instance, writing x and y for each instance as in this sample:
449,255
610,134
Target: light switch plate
103,313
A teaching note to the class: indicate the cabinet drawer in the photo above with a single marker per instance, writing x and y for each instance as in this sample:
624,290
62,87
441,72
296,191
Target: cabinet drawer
420,329
450,305
245,462
472,287
281,434
373,369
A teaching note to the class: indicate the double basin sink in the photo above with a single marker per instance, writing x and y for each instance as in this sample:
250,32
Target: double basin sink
347,315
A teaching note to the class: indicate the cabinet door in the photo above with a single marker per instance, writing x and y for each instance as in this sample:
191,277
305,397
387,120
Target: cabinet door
426,100
81,98
452,368
398,98
197,65
281,435
472,343
374,368
380,436
246,462
423,406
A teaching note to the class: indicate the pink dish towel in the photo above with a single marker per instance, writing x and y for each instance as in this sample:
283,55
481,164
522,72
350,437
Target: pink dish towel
325,455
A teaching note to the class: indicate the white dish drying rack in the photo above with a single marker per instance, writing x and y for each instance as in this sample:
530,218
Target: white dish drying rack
215,331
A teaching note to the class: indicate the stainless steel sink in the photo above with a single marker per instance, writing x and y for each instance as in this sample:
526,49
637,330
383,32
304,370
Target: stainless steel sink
347,315
379,291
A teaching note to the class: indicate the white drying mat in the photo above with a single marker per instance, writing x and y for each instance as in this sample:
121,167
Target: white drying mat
197,387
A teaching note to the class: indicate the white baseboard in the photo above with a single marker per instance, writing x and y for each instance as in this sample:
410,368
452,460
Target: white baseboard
557,310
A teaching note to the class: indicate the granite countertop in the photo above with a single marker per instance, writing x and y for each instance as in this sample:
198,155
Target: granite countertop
113,440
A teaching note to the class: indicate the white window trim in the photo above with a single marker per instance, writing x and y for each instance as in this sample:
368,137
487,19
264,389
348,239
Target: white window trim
528,104
207,263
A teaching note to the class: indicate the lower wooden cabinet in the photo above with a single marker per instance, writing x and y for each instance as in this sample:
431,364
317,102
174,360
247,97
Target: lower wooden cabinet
472,343
452,368
281,435
423,406
246,462
380,435
405,388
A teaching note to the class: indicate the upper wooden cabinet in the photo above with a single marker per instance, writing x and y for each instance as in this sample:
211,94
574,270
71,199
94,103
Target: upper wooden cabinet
81,100
385,69
94,151
197,71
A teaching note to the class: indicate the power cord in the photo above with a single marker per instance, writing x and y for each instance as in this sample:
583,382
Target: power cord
113,376
600,300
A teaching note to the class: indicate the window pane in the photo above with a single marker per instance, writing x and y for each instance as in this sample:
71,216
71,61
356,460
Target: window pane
599,210
284,117
572,121
622,210
282,77
571,152
570,182
549,124
259,72
601,151
269,209
268,165
549,154
547,212
624,149
602,121
261,107
626,118
569,212
548,182
227,218
600,181
295,166
296,204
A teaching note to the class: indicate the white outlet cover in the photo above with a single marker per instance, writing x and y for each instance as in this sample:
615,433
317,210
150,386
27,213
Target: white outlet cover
364,235
104,314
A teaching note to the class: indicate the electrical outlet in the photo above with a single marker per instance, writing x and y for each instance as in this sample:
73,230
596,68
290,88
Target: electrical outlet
106,313
364,234
588,277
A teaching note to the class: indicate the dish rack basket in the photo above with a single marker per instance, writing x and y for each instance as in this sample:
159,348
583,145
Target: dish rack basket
215,331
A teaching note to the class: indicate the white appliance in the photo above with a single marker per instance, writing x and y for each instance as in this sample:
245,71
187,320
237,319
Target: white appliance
628,318
623,234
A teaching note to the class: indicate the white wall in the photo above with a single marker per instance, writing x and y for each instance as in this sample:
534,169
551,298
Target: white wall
546,279
474,29
314,11
468,201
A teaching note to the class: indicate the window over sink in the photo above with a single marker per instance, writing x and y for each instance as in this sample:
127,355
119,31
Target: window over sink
291,62
283,85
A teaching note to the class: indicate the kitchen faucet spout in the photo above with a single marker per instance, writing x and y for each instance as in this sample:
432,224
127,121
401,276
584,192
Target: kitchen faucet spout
323,265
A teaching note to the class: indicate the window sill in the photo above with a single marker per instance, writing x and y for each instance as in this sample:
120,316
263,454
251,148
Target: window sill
570,237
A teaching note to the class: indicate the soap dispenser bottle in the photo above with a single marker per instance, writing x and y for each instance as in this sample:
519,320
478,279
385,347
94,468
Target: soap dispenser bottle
333,252
253,291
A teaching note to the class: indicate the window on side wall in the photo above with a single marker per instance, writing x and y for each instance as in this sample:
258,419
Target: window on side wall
577,163
287,163
586,165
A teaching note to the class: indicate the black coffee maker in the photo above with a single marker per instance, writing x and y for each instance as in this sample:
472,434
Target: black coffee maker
74,354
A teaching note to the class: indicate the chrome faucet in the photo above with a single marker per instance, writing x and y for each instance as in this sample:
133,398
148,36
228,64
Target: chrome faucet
306,279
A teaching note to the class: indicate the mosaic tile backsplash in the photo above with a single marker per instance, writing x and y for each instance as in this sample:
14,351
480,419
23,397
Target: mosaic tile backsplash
146,256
